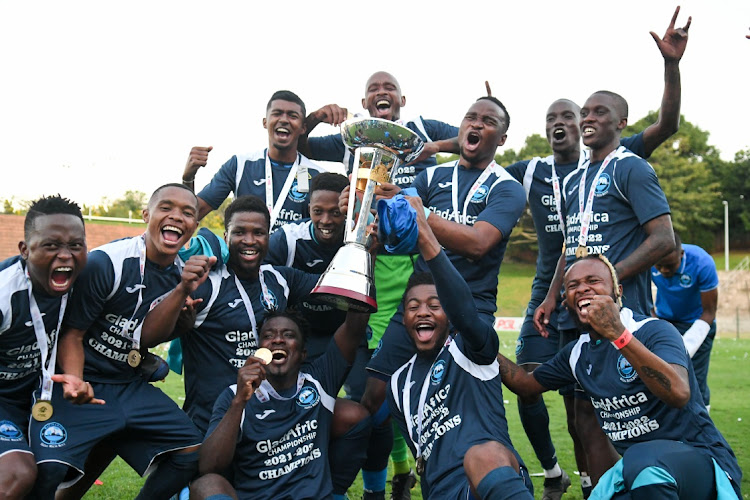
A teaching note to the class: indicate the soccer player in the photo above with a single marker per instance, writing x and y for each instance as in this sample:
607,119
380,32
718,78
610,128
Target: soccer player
687,294
541,178
101,342
638,375
383,99
447,399
34,289
279,174
272,428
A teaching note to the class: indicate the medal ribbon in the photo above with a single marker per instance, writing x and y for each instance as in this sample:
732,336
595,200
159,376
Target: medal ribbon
454,190
586,213
274,209
265,389
248,304
48,356
136,337
422,400
557,193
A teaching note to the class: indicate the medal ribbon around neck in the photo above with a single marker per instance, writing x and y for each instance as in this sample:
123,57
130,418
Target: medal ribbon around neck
296,171
422,400
48,355
454,190
557,192
125,331
589,208
265,390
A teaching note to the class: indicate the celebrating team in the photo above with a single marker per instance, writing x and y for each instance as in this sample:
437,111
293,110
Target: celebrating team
264,361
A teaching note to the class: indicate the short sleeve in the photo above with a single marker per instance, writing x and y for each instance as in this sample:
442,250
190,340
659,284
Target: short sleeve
637,181
327,148
278,249
556,372
92,288
635,144
221,406
507,200
439,131
221,185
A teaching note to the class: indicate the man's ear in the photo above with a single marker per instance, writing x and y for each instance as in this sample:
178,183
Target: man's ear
622,124
265,124
363,103
403,101
145,215
24,249
502,139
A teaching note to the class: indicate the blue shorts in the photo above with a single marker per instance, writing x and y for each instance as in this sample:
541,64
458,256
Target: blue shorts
14,420
701,358
531,347
142,421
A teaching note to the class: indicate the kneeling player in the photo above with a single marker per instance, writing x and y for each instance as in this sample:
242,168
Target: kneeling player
273,427
640,379
447,399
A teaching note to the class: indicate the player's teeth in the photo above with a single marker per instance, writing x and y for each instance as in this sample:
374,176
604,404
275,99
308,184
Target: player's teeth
172,228
64,269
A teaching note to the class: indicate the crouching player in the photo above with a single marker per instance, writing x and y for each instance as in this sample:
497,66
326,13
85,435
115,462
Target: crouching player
641,382
447,399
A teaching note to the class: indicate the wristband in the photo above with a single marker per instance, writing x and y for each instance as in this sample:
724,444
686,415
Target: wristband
623,340
427,212
188,180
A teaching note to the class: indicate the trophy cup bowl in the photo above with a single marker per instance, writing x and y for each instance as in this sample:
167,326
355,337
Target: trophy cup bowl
380,146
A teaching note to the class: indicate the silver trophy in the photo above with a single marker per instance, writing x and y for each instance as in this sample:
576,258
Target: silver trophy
380,146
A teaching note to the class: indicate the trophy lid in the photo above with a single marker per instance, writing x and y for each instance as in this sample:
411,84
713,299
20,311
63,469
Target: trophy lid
385,134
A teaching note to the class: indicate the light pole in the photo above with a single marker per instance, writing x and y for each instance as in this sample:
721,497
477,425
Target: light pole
726,235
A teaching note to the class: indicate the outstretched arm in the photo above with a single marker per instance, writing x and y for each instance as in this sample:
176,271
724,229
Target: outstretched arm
350,334
518,380
672,47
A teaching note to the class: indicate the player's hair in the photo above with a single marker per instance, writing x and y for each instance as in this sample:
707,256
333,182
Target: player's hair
416,279
171,185
286,95
620,103
247,203
500,105
293,315
328,181
612,273
49,205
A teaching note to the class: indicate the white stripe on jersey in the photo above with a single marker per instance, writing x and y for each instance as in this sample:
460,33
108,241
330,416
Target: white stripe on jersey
528,175
215,277
12,280
279,278
575,354
233,387
620,155
118,252
325,398
502,176
294,232
241,159
394,382
481,372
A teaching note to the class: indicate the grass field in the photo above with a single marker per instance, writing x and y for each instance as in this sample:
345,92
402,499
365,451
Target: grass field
728,379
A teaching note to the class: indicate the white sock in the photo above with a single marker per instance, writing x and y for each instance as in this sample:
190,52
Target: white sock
555,471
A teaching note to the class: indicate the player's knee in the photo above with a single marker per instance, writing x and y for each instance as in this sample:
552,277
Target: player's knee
480,459
211,485
17,475
374,394
346,415
49,476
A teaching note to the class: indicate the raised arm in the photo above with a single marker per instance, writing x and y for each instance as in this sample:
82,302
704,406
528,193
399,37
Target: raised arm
350,334
159,324
672,47
668,382
658,243
217,450
435,147
331,114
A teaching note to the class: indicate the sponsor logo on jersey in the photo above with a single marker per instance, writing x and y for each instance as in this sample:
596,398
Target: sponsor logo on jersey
265,413
308,397
686,280
519,346
573,189
314,262
134,288
31,323
235,303
53,435
10,431
588,370
625,369
548,180
443,185
259,182
602,184
438,370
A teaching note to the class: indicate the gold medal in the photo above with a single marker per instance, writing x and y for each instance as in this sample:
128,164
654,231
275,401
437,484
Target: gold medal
264,355
420,465
581,252
41,411
134,358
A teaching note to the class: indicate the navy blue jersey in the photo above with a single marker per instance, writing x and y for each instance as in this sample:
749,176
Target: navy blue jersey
282,447
678,298
626,409
223,337
464,400
498,201
627,196
294,245
20,363
103,304
331,148
250,178
536,177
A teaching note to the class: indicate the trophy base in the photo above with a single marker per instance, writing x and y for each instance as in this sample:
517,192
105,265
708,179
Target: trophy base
347,283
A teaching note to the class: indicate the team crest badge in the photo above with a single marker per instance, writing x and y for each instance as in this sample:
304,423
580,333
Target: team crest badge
437,372
10,431
53,435
519,346
270,303
308,397
294,193
480,194
686,280
602,185
625,369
